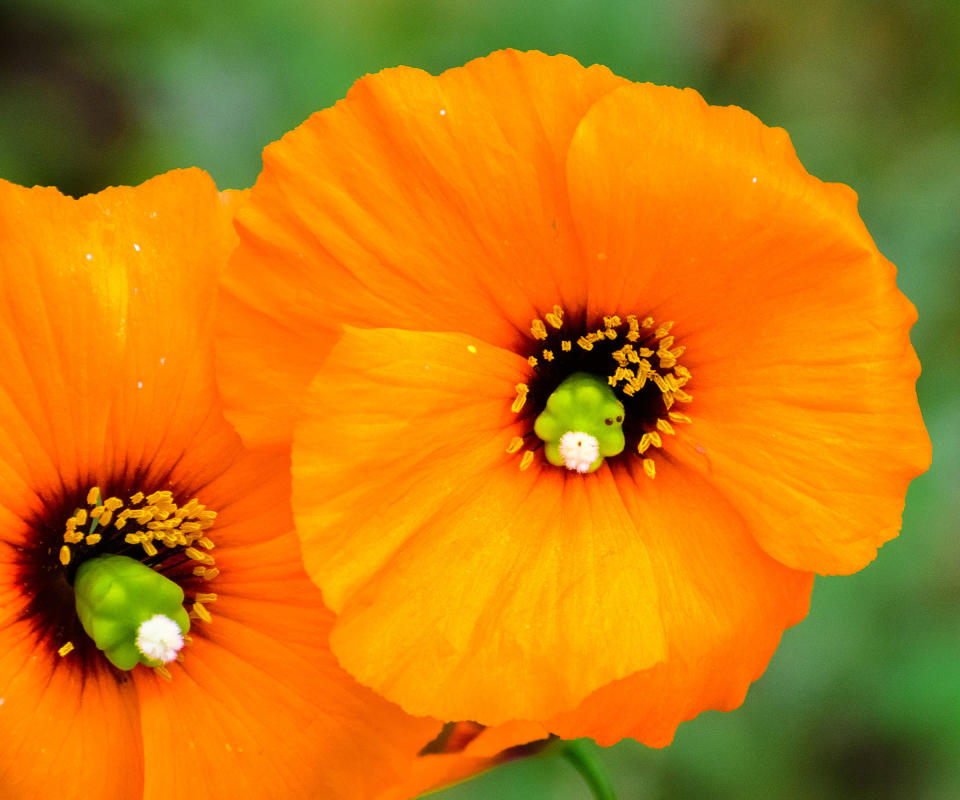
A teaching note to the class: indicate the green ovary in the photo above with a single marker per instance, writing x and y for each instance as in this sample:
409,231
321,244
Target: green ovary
582,404
115,595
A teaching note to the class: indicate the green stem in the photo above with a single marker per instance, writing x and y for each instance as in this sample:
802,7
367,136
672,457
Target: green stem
583,755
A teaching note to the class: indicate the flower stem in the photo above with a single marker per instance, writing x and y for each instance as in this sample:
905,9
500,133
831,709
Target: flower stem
583,755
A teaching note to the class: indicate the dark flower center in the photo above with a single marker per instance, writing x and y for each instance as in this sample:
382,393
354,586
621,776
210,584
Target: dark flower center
84,524
635,356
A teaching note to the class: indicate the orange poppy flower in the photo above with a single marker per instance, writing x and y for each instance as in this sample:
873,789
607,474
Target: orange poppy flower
586,378
107,402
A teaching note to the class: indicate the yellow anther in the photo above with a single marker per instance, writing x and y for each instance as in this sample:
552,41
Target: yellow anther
666,342
93,496
585,343
676,416
667,359
610,333
206,543
113,503
149,548
566,346
538,329
81,517
682,396
649,467
67,648
64,555
95,514
655,439
558,312
199,611
527,460
106,517
647,322
210,574
199,571
665,426
206,597
136,498
188,508
515,444
73,537
93,538
663,330
548,355
532,361
206,514
132,538
521,398
163,672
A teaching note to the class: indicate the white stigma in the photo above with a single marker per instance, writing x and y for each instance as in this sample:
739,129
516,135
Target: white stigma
579,450
160,638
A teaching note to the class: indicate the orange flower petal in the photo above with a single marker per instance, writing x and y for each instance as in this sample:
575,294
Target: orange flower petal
98,334
485,577
274,722
335,223
52,745
805,412
724,604
491,741
487,748
259,703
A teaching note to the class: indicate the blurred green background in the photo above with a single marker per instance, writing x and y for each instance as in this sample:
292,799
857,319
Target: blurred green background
863,699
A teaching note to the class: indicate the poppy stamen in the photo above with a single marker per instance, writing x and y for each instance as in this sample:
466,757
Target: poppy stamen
155,530
634,356
521,398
